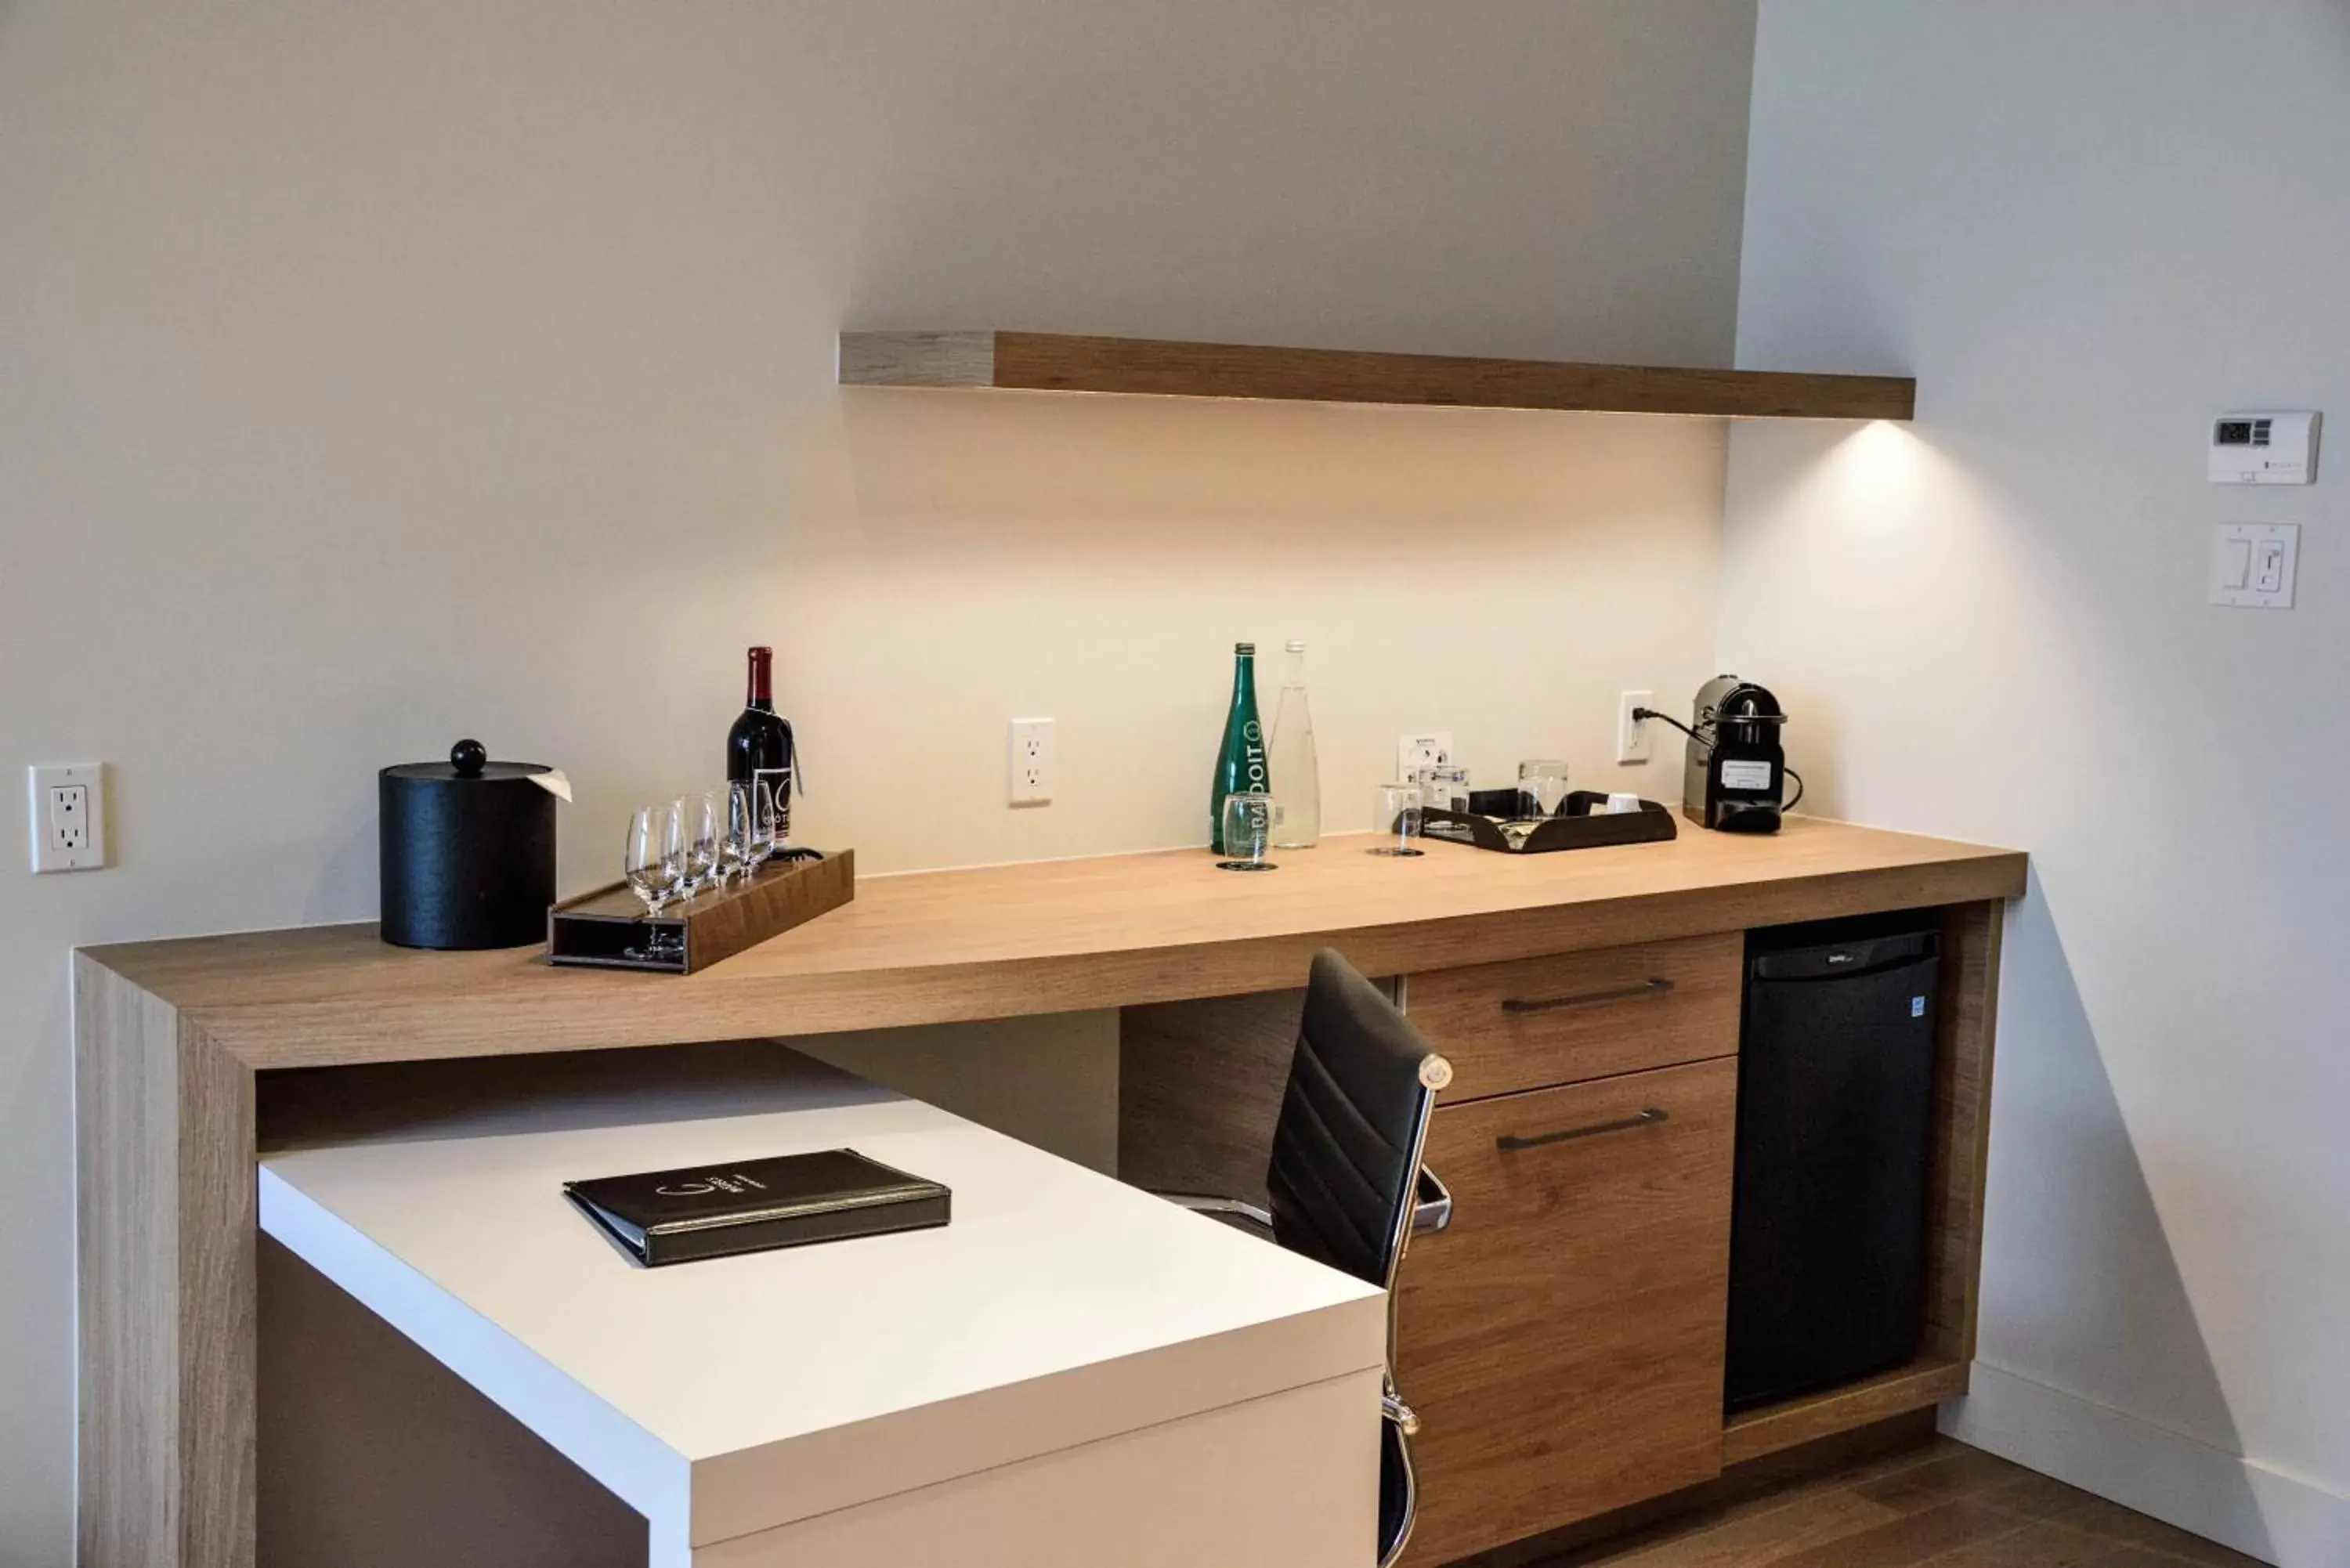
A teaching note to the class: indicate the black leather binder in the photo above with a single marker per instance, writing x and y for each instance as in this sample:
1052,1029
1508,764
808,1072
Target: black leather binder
752,1206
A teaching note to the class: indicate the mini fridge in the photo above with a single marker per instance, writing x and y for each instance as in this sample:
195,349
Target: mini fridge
1836,1097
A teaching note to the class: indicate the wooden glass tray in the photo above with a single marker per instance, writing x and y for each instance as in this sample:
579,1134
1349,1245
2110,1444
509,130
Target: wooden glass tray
608,927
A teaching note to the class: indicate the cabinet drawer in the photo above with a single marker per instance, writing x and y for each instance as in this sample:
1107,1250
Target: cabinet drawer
1562,1340
1576,1016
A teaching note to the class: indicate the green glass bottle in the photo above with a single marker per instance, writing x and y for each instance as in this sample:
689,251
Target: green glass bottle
1240,760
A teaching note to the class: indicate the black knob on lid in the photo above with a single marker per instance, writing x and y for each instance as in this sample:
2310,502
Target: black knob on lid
469,758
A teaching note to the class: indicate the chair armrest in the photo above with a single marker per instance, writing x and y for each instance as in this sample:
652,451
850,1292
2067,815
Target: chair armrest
1240,1215
1433,1209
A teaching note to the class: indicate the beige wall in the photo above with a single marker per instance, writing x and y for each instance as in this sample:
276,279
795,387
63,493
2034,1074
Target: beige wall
375,374
1993,626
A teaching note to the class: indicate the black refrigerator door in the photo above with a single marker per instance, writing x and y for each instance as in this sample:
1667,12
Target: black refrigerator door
1836,1095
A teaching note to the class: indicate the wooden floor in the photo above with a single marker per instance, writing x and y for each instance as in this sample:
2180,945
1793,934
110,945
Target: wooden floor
1938,1504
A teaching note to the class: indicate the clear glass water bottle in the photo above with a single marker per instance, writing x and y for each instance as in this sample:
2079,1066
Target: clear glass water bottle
1296,777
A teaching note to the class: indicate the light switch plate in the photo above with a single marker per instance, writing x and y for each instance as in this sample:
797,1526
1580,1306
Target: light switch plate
67,816
2254,564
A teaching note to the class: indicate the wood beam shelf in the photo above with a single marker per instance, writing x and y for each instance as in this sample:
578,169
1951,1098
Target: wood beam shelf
1058,362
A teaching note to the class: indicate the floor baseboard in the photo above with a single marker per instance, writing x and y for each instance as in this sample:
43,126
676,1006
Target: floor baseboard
2254,1508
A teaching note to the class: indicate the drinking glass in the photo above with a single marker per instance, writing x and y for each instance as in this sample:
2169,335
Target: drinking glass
650,862
737,855
762,821
653,862
1394,813
1444,789
1249,817
1541,787
705,818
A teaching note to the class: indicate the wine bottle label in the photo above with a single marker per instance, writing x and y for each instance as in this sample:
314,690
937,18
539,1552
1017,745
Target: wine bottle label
779,782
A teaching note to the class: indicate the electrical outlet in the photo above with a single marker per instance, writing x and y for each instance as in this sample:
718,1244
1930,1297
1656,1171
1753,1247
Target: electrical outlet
68,818
1032,762
1428,749
1632,734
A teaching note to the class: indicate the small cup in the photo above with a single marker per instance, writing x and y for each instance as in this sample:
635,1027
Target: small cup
1621,801
1395,815
1249,818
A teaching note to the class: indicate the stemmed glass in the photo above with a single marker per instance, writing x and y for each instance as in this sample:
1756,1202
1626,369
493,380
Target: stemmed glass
654,864
762,821
736,854
704,816
648,862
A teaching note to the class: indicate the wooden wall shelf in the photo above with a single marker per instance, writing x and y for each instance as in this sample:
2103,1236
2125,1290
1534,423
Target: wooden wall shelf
1057,362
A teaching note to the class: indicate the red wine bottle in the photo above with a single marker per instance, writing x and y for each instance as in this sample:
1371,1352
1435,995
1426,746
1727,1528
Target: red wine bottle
759,747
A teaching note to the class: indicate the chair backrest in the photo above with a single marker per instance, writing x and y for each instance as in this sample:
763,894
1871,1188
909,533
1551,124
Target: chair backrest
1346,1152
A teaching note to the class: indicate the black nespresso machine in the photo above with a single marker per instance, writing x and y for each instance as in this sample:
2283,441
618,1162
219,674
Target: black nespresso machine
1736,773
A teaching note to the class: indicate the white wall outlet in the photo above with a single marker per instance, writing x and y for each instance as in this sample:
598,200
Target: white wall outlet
67,817
2253,564
1032,762
1428,749
1632,734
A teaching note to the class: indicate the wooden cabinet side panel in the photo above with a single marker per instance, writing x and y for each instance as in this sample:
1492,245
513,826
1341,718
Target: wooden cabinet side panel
1962,1069
126,1109
1564,1341
219,1222
1199,1090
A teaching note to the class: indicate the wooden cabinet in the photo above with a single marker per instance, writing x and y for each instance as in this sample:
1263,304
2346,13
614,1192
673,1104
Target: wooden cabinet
1562,1340
1569,1017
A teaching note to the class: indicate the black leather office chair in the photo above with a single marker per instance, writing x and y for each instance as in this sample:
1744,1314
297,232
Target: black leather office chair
1345,1177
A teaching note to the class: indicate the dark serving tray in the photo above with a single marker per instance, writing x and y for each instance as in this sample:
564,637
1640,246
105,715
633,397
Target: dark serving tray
1582,823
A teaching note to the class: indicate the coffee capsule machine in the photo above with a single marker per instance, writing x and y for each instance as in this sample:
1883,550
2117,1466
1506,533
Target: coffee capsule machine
1736,773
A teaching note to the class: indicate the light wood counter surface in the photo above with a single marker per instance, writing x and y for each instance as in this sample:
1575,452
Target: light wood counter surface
1043,937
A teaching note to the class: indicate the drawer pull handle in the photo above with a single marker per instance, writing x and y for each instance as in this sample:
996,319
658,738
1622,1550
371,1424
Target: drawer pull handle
1657,986
1646,1118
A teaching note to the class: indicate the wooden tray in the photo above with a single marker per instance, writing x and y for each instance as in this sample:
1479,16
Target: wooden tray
608,927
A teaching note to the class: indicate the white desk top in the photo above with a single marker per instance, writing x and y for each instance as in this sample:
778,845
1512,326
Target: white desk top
729,1394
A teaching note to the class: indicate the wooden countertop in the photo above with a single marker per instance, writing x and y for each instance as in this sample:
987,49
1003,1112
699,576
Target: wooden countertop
1044,937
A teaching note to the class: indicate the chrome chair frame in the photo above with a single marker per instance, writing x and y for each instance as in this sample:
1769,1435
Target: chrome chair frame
1427,1207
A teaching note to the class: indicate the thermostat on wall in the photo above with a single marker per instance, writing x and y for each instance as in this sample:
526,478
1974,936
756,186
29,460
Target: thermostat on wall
2264,447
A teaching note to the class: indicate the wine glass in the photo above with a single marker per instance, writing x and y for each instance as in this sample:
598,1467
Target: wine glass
762,821
648,862
740,851
703,816
1249,818
1394,813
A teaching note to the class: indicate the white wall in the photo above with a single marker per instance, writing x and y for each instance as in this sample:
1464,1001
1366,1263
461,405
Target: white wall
373,375
2088,227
